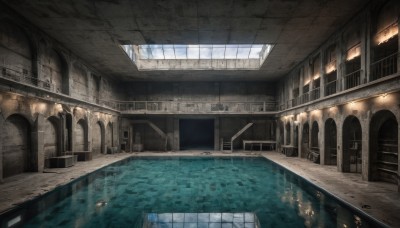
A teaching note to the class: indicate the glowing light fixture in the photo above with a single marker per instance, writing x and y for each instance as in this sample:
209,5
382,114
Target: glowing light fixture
353,52
330,67
387,33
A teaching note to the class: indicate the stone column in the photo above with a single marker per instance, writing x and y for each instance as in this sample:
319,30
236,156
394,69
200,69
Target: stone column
176,146
216,134
321,141
89,134
340,60
170,132
2,126
365,137
322,73
365,50
37,144
339,141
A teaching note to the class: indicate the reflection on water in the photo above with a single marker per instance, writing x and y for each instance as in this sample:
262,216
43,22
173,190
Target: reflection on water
126,194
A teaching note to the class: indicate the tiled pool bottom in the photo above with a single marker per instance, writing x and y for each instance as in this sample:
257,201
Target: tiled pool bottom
125,194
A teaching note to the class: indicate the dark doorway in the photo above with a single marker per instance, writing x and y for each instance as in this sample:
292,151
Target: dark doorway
196,134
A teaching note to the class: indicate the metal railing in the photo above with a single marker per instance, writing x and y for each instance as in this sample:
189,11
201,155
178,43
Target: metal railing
384,67
330,88
194,106
315,94
352,79
24,76
305,98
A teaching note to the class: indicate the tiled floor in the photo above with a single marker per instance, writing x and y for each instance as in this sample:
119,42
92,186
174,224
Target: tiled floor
381,200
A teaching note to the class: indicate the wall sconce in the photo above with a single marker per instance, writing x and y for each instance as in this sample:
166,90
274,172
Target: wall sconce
384,95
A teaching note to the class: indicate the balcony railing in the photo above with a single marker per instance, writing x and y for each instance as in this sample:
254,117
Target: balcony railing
25,77
384,67
194,107
305,98
315,94
330,88
352,80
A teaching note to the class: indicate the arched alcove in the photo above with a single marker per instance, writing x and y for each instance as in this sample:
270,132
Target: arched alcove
305,140
51,136
330,142
98,138
55,70
385,44
314,136
81,136
17,153
384,147
288,133
352,146
16,52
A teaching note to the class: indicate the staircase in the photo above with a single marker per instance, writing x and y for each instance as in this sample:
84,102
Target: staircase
228,145
156,129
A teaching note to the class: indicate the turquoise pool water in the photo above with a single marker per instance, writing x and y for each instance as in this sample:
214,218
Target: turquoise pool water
139,190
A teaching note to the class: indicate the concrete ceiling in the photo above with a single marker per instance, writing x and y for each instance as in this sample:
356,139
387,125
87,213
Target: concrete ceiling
93,30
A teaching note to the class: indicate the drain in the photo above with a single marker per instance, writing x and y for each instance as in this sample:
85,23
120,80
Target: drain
365,206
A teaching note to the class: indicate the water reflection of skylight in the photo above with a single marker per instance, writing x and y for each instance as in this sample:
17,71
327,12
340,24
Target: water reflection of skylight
175,55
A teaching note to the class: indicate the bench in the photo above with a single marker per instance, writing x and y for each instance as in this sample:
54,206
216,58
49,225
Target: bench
313,155
63,161
289,151
260,143
81,155
112,149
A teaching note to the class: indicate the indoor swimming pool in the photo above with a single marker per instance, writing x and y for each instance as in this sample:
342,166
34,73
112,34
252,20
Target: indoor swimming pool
188,192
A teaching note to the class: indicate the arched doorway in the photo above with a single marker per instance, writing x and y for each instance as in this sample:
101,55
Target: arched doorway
352,147
314,136
17,154
305,141
384,147
51,126
330,142
97,139
288,133
81,136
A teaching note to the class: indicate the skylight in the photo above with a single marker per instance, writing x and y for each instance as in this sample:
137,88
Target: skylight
198,56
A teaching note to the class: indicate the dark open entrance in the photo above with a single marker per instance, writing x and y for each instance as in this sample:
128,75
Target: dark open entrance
196,134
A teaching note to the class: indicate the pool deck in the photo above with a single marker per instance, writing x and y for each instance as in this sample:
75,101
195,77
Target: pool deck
378,199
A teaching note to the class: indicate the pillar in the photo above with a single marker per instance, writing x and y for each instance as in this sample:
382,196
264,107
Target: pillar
216,134
37,144
365,137
176,146
365,50
321,141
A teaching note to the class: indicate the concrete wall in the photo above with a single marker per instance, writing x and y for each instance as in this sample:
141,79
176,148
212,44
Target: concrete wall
199,91
41,84
224,128
363,103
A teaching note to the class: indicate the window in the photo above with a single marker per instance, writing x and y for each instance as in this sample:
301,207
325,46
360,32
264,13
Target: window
243,56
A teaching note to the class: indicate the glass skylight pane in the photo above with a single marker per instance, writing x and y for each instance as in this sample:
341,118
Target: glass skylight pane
226,54
255,51
180,52
205,52
145,53
230,52
218,52
193,52
169,53
243,53
157,52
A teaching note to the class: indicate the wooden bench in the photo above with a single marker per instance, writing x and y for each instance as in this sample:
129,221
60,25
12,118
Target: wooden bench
260,143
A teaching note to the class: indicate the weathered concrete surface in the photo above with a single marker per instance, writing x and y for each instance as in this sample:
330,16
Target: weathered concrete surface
94,29
26,186
382,197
